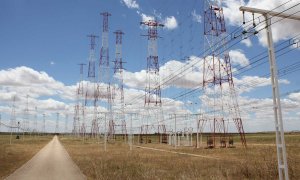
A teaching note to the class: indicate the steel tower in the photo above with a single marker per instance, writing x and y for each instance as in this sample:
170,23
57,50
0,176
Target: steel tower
219,99
119,90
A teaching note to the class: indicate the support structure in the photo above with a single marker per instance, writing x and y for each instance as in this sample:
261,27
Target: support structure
201,122
66,123
280,142
13,122
92,95
80,105
216,73
57,123
35,129
152,89
119,105
77,106
104,87
44,124
26,116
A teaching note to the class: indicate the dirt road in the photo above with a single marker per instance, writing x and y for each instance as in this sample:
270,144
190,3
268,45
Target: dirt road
51,162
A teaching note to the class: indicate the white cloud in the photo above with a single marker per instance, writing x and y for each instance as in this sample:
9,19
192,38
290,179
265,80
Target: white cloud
247,42
170,22
52,62
295,96
23,81
24,76
146,18
257,113
51,105
237,57
186,80
282,30
249,83
196,17
132,4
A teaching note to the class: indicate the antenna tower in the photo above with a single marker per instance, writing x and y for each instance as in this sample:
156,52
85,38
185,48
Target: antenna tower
217,74
35,121
66,123
81,103
78,105
104,87
26,116
119,90
57,123
92,77
13,122
44,124
152,89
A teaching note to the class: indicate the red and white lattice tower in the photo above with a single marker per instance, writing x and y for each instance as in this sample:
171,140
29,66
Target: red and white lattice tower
219,98
13,122
152,89
79,116
26,116
76,120
118,90
35,129
44,124
57,124
91,93
104,88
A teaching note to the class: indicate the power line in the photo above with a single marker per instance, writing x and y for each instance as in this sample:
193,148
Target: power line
232,39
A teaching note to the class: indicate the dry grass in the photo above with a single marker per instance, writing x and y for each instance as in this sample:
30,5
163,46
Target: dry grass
13,156
258,161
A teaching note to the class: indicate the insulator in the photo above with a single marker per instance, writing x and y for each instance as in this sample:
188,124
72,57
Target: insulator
254,25
244,17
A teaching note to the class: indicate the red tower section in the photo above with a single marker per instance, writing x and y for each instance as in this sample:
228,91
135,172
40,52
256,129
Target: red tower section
219,99
152,89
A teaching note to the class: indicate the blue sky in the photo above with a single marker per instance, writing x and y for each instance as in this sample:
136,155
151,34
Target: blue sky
50,36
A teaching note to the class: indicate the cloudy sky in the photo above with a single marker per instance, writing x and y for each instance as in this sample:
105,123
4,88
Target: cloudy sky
42,42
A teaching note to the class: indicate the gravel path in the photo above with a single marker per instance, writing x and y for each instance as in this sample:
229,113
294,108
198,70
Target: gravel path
52,162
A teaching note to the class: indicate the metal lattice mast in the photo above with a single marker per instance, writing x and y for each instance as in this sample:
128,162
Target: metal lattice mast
92,78
13,122
81,103
118,71
77,106
91,70
104,75
26,116
104,87
217,72
152,89
66,123
75,121
57,123
44,124
35,120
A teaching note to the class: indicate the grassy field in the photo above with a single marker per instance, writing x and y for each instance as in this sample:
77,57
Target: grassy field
14,155
258,161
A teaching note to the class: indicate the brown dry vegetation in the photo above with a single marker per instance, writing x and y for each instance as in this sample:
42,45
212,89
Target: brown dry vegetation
14,155
258,161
